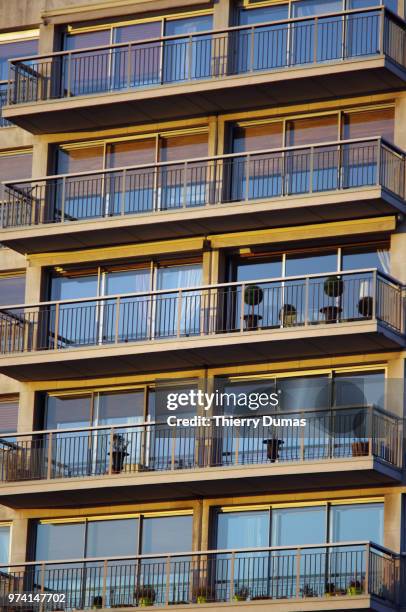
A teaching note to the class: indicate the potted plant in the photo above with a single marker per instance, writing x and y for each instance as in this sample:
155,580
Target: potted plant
273,446
253,295
330,589
288,315
202,594
97,602
144,595
241,594
333,286
307,591
118,453
354,588
366,306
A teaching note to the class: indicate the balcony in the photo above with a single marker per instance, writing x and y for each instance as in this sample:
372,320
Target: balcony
347,446
282,62
363,310
3,100
295,185
337,576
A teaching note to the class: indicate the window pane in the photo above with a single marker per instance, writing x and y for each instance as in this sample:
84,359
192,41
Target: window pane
4,544
378,122
128,281
138,31
60,541
357,522
12,289
359,258
305,392
14,166
8,416
188,25
257,138
307,8
68,412
258,270
80,159
87,39
311,130
121,407
297,265
67,288
183,147
242,529
178,277
131,153
112,538
360,389
264,14
297,526
167,534
19,48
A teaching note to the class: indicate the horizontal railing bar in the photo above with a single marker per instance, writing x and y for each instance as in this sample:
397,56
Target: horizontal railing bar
341,274
163,39
144,424
206,552
317,145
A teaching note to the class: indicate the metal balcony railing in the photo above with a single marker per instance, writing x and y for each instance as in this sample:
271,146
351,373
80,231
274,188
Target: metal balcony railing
329,435
292,572
229,308
3,100
305,41
189,184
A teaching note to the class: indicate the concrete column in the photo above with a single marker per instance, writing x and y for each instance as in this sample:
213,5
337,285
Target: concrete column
395,400
222,14
33,284
400,120
393,521
48,38
197,525
19,536
26,409
398,252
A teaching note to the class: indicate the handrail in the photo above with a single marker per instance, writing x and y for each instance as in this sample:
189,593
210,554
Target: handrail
224,551
370,139
162,39
280,279
151,423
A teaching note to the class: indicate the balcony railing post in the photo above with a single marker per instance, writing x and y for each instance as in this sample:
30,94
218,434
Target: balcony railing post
316,38
298,558
247,177
104,583
379,174
307,297
382,21
49,456
190,58
252,48
242,302
63,199
173,448
367,586
129,49
56,333
311,170
123,192
111,444
117,321
179,313
167,580
184,190
232,574
375,296
69,73
237,444
42,584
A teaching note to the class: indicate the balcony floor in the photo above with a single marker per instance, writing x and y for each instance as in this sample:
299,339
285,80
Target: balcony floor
326,81
321,340
202,482
359,602
179,223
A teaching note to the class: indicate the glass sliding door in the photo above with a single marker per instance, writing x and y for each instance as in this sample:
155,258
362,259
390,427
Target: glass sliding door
4,543
78,197
134,190
245,529
137,65
176,314
84,73
264,47
321,40
189,57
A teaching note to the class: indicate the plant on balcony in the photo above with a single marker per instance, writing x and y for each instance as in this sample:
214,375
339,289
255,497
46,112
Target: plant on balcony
366,306
118,453
144,595
241,594
202,594
330,589
308,591
354,588
273,447
288,315
333,286
97,602
253,295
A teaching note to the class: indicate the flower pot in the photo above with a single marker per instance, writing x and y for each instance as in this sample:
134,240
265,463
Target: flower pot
360,449
145,602
366,306
288,315
239,598
354,591
333,286
273,446
252,321
331,313
200,599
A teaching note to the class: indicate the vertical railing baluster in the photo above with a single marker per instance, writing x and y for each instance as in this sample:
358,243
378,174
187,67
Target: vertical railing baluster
184,190
129,65
232,574
57,310
242,302
49,456
123,192
298,571
179,313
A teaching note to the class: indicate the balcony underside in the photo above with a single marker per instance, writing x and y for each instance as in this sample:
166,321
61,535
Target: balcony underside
360,602
181,484
321,340
287,86
218,218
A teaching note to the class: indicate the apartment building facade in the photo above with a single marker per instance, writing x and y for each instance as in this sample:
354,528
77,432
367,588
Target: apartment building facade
202,196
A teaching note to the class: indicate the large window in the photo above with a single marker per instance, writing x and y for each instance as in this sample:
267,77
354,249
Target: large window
4,543
273,574
16,164
279,301
8,414
111,537
140,190
12,288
